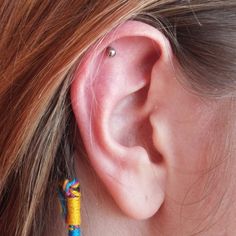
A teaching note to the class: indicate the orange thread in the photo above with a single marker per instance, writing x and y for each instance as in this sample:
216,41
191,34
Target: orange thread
73,210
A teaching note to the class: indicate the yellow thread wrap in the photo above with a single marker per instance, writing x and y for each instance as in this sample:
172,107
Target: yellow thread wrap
73,207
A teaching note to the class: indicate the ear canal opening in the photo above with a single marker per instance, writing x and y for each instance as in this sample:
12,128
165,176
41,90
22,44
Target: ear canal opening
130,124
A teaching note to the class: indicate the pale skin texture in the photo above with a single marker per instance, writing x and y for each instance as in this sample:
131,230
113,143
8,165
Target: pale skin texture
149,142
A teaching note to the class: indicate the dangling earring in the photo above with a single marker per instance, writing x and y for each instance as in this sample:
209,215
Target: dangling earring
70,196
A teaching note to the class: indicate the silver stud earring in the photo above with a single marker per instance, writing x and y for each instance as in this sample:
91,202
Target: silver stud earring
111,52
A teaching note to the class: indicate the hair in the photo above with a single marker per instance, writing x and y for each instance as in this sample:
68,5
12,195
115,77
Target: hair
41,45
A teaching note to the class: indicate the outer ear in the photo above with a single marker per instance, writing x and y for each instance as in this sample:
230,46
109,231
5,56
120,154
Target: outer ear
113,99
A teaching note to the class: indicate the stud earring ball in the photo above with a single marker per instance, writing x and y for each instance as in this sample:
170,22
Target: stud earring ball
111,52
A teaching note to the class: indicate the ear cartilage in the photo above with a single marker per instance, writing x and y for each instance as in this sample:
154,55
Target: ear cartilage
70,196
111,52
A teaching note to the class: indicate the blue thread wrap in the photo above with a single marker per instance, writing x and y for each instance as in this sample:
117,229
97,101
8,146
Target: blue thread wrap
75,232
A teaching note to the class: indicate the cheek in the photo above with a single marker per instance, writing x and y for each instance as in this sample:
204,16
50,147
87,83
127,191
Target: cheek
183,134
189,140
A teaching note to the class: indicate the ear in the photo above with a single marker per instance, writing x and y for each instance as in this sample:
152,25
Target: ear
113,99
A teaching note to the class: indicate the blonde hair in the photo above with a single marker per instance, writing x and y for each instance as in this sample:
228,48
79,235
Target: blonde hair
41,44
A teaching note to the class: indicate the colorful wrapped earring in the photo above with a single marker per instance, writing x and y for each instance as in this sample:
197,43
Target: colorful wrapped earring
70,197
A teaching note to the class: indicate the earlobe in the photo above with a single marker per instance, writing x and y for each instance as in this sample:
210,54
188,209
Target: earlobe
113,98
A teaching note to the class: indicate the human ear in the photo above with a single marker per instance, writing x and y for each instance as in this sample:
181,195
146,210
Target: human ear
113,99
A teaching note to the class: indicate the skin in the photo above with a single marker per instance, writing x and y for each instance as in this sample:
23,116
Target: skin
150,143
